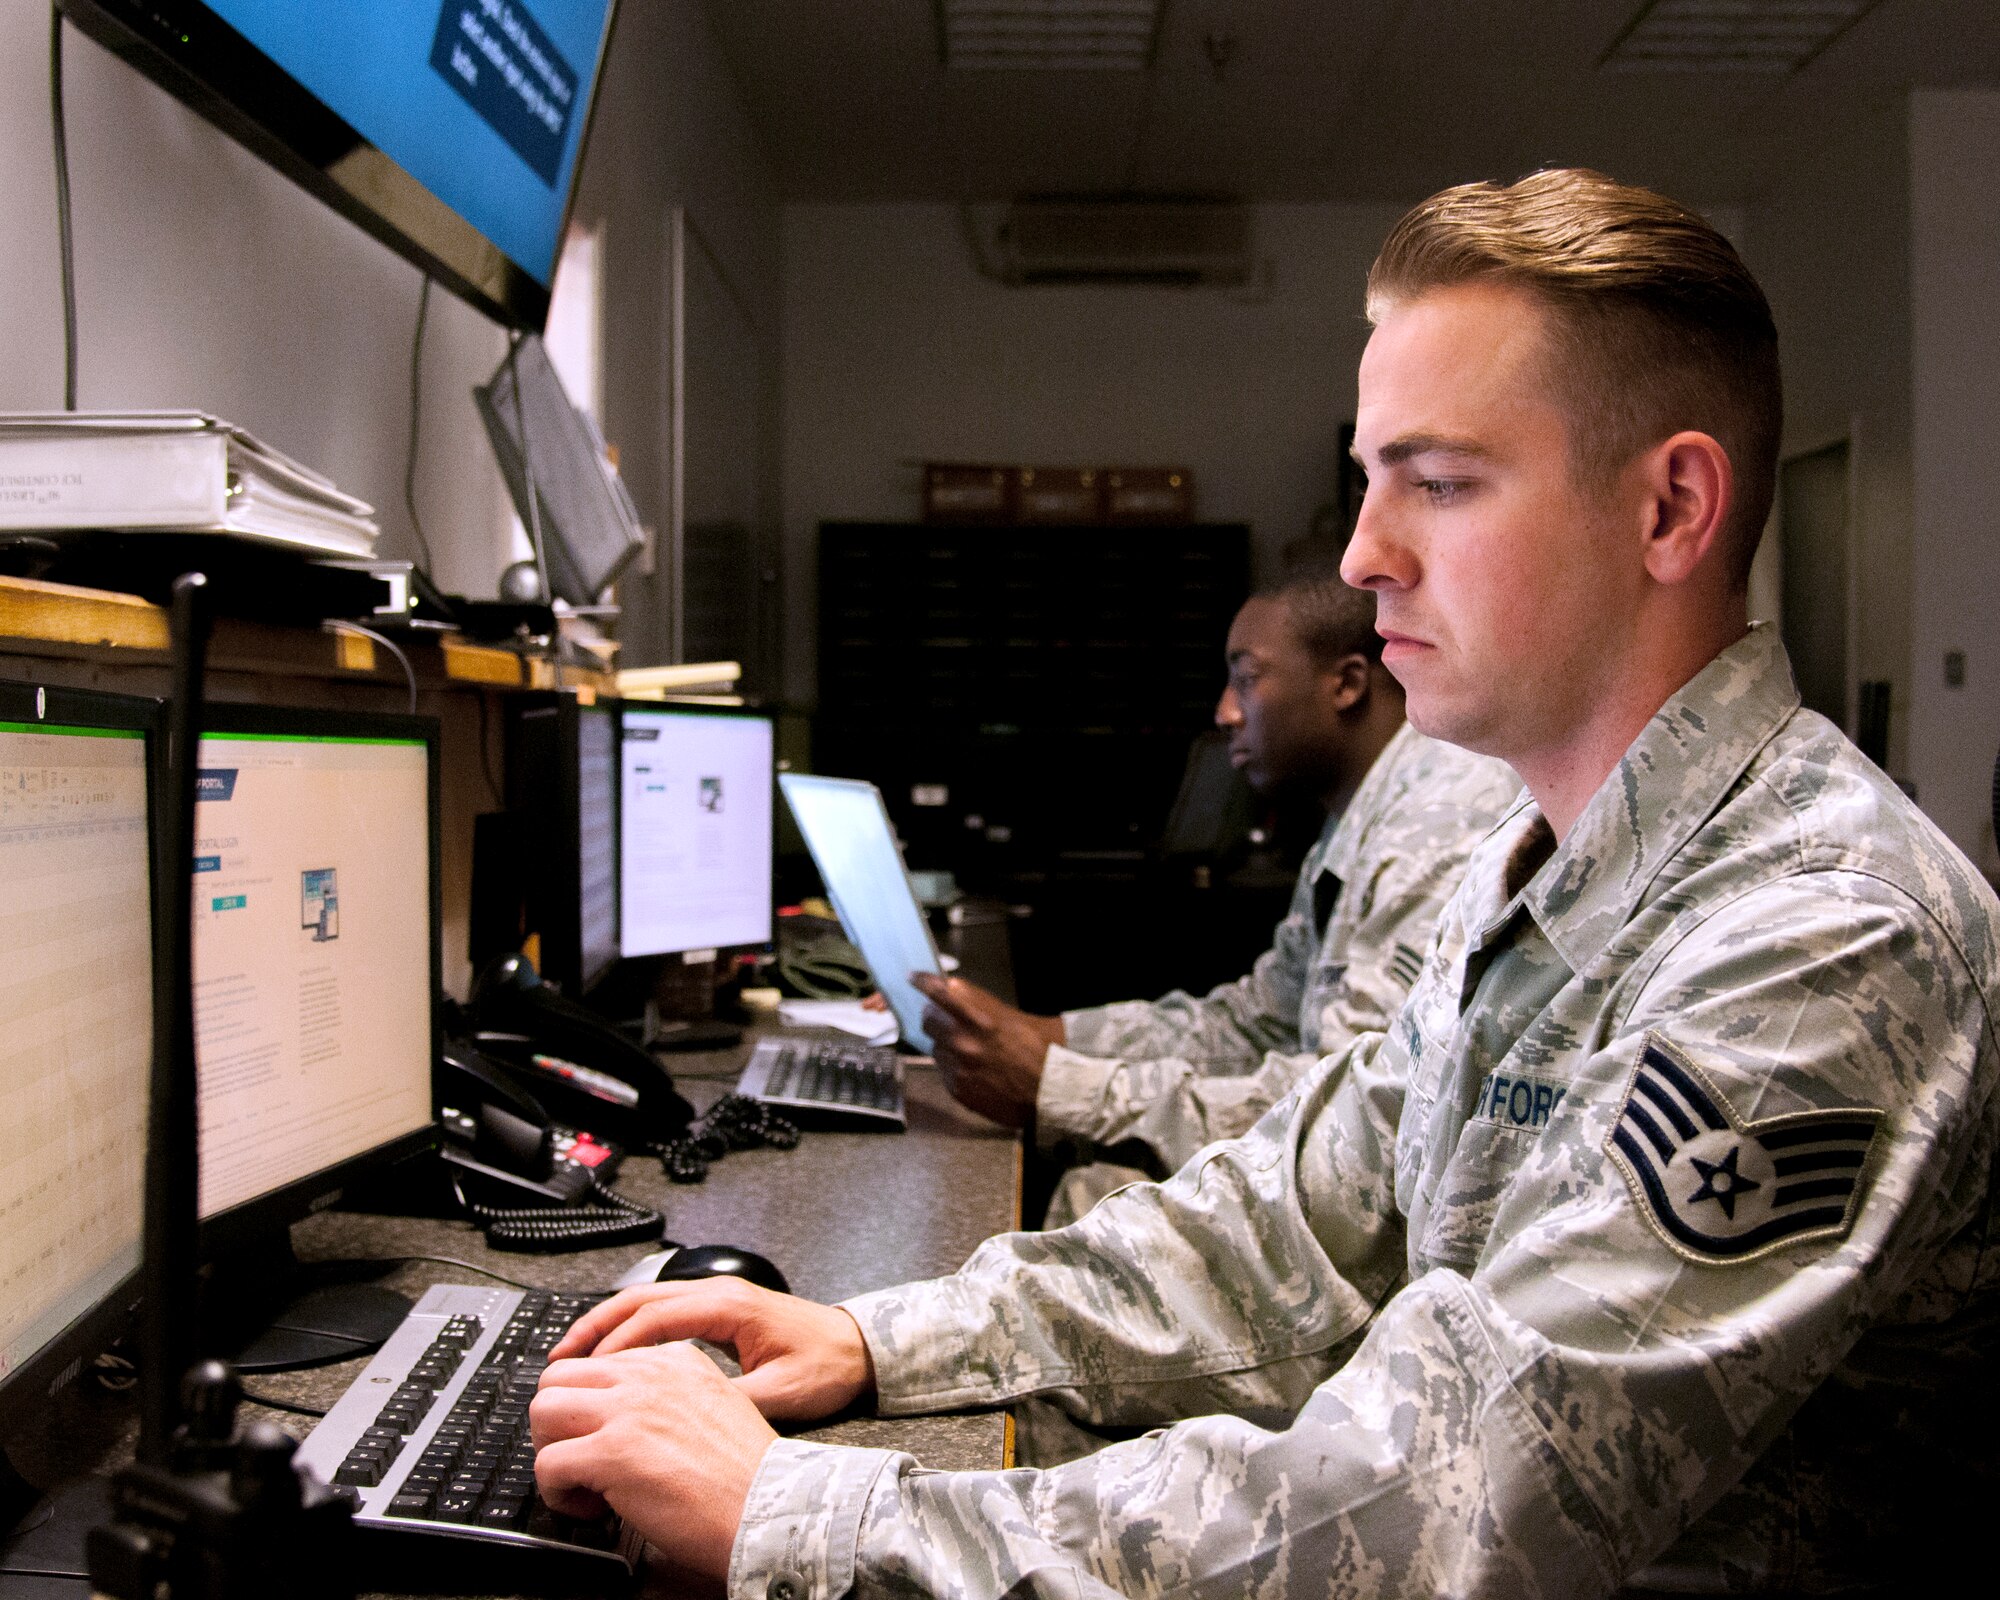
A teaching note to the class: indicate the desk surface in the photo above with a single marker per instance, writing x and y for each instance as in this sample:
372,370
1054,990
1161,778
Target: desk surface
842,1213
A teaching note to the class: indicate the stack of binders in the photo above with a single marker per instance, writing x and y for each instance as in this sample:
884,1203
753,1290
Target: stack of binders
169,472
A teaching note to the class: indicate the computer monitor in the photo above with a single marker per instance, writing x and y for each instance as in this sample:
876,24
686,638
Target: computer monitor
76,948
453,133
694,830
562,794
315,957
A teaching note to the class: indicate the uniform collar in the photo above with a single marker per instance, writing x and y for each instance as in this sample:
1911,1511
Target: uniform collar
1340,844
1671,780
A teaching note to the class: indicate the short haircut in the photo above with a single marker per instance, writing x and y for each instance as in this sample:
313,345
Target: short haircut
1657,325
1330,618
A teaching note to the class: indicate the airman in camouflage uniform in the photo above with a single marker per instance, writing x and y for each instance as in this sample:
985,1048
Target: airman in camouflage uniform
1653,1246
1679,1230
1178,1073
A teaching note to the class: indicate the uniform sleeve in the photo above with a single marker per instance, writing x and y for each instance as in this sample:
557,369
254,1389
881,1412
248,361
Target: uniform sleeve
1381,929
1169,1108
1547,1420
1228,1029
1212,1291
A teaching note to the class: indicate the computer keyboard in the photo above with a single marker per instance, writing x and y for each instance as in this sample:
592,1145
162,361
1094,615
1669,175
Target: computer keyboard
431,1444
827,1082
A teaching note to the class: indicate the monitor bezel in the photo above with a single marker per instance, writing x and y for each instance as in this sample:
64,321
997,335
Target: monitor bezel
694,708
192,53
28,1386
557,876
272,1213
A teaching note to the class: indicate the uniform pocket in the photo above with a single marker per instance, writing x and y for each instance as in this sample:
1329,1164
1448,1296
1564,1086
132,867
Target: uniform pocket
1468,1194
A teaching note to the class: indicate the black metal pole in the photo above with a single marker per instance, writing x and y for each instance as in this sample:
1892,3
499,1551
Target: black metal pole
172,1244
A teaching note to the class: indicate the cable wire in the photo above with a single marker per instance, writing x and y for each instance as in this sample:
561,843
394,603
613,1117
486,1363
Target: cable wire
444,1261
336,625
65,241
282,1405
416,425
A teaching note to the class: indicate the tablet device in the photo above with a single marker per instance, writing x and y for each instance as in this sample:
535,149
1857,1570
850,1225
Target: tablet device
847,830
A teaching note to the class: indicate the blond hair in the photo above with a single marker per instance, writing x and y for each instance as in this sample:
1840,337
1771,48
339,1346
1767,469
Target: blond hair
1657,326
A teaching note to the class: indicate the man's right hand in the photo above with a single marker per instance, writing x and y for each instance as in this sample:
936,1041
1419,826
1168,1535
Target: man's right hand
800,1360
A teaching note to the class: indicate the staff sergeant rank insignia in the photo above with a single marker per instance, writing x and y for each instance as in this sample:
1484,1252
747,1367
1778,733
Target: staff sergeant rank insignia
1717,1188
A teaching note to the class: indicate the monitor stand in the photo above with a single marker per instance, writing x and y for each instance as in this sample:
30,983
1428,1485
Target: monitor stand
41,1549
275,1313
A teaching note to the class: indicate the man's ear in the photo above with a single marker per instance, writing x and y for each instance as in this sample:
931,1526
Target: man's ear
1348,682
1690,489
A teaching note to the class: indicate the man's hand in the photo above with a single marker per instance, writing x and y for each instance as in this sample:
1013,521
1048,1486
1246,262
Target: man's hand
989,1052
662,1437
800,1361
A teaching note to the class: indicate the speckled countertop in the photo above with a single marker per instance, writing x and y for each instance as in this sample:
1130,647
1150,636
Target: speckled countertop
842,1213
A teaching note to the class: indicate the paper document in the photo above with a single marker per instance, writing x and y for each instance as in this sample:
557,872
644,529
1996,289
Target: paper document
849,1016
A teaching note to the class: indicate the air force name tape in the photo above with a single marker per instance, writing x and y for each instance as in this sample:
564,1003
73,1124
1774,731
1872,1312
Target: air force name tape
1716,1188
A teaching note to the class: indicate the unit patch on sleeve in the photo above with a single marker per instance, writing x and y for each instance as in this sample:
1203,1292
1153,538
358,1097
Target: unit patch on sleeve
1717,1188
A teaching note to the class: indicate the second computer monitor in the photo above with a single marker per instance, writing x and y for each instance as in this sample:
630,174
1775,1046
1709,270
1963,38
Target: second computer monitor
315,955
695,818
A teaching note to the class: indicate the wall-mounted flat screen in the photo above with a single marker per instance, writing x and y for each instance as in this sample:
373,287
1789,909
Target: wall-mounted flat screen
451,129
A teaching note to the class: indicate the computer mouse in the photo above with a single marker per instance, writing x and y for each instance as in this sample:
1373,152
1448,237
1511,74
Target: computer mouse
721,1261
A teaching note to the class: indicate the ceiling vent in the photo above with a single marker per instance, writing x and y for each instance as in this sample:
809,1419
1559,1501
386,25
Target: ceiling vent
1757,36
1048,35
1179,243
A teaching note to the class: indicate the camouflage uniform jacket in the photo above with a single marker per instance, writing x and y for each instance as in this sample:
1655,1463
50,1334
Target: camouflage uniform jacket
1651,1245
1177,1073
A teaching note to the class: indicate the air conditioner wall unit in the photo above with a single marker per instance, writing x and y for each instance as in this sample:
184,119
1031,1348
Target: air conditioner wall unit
1187,243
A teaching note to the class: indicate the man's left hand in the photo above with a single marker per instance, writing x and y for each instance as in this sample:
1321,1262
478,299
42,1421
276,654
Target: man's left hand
662,1437
989,1053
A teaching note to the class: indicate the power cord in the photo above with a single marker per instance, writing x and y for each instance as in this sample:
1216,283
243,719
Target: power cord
416,424
335,625
65,243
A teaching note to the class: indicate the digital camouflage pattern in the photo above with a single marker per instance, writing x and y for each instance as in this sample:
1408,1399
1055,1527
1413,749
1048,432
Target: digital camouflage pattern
1174,1074
1553,1393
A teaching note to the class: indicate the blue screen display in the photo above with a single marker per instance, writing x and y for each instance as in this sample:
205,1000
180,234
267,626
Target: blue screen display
483,102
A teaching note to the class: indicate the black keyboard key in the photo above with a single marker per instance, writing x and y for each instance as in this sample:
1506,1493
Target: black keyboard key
383,1438
503,1512
515,1481
410,1504
422,1480
457,1507
470,1483
362,1468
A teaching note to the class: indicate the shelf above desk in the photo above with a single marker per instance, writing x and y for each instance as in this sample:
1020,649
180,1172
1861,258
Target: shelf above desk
101,626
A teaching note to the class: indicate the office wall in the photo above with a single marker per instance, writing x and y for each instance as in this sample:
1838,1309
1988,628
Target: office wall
671,132
1955,426
206,281
1830,244
896,351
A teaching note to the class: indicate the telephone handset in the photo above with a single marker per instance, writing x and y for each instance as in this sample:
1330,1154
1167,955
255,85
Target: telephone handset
500,1149
581,1067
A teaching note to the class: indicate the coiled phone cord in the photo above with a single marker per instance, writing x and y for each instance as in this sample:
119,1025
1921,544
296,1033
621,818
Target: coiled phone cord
735,1122
606,1218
